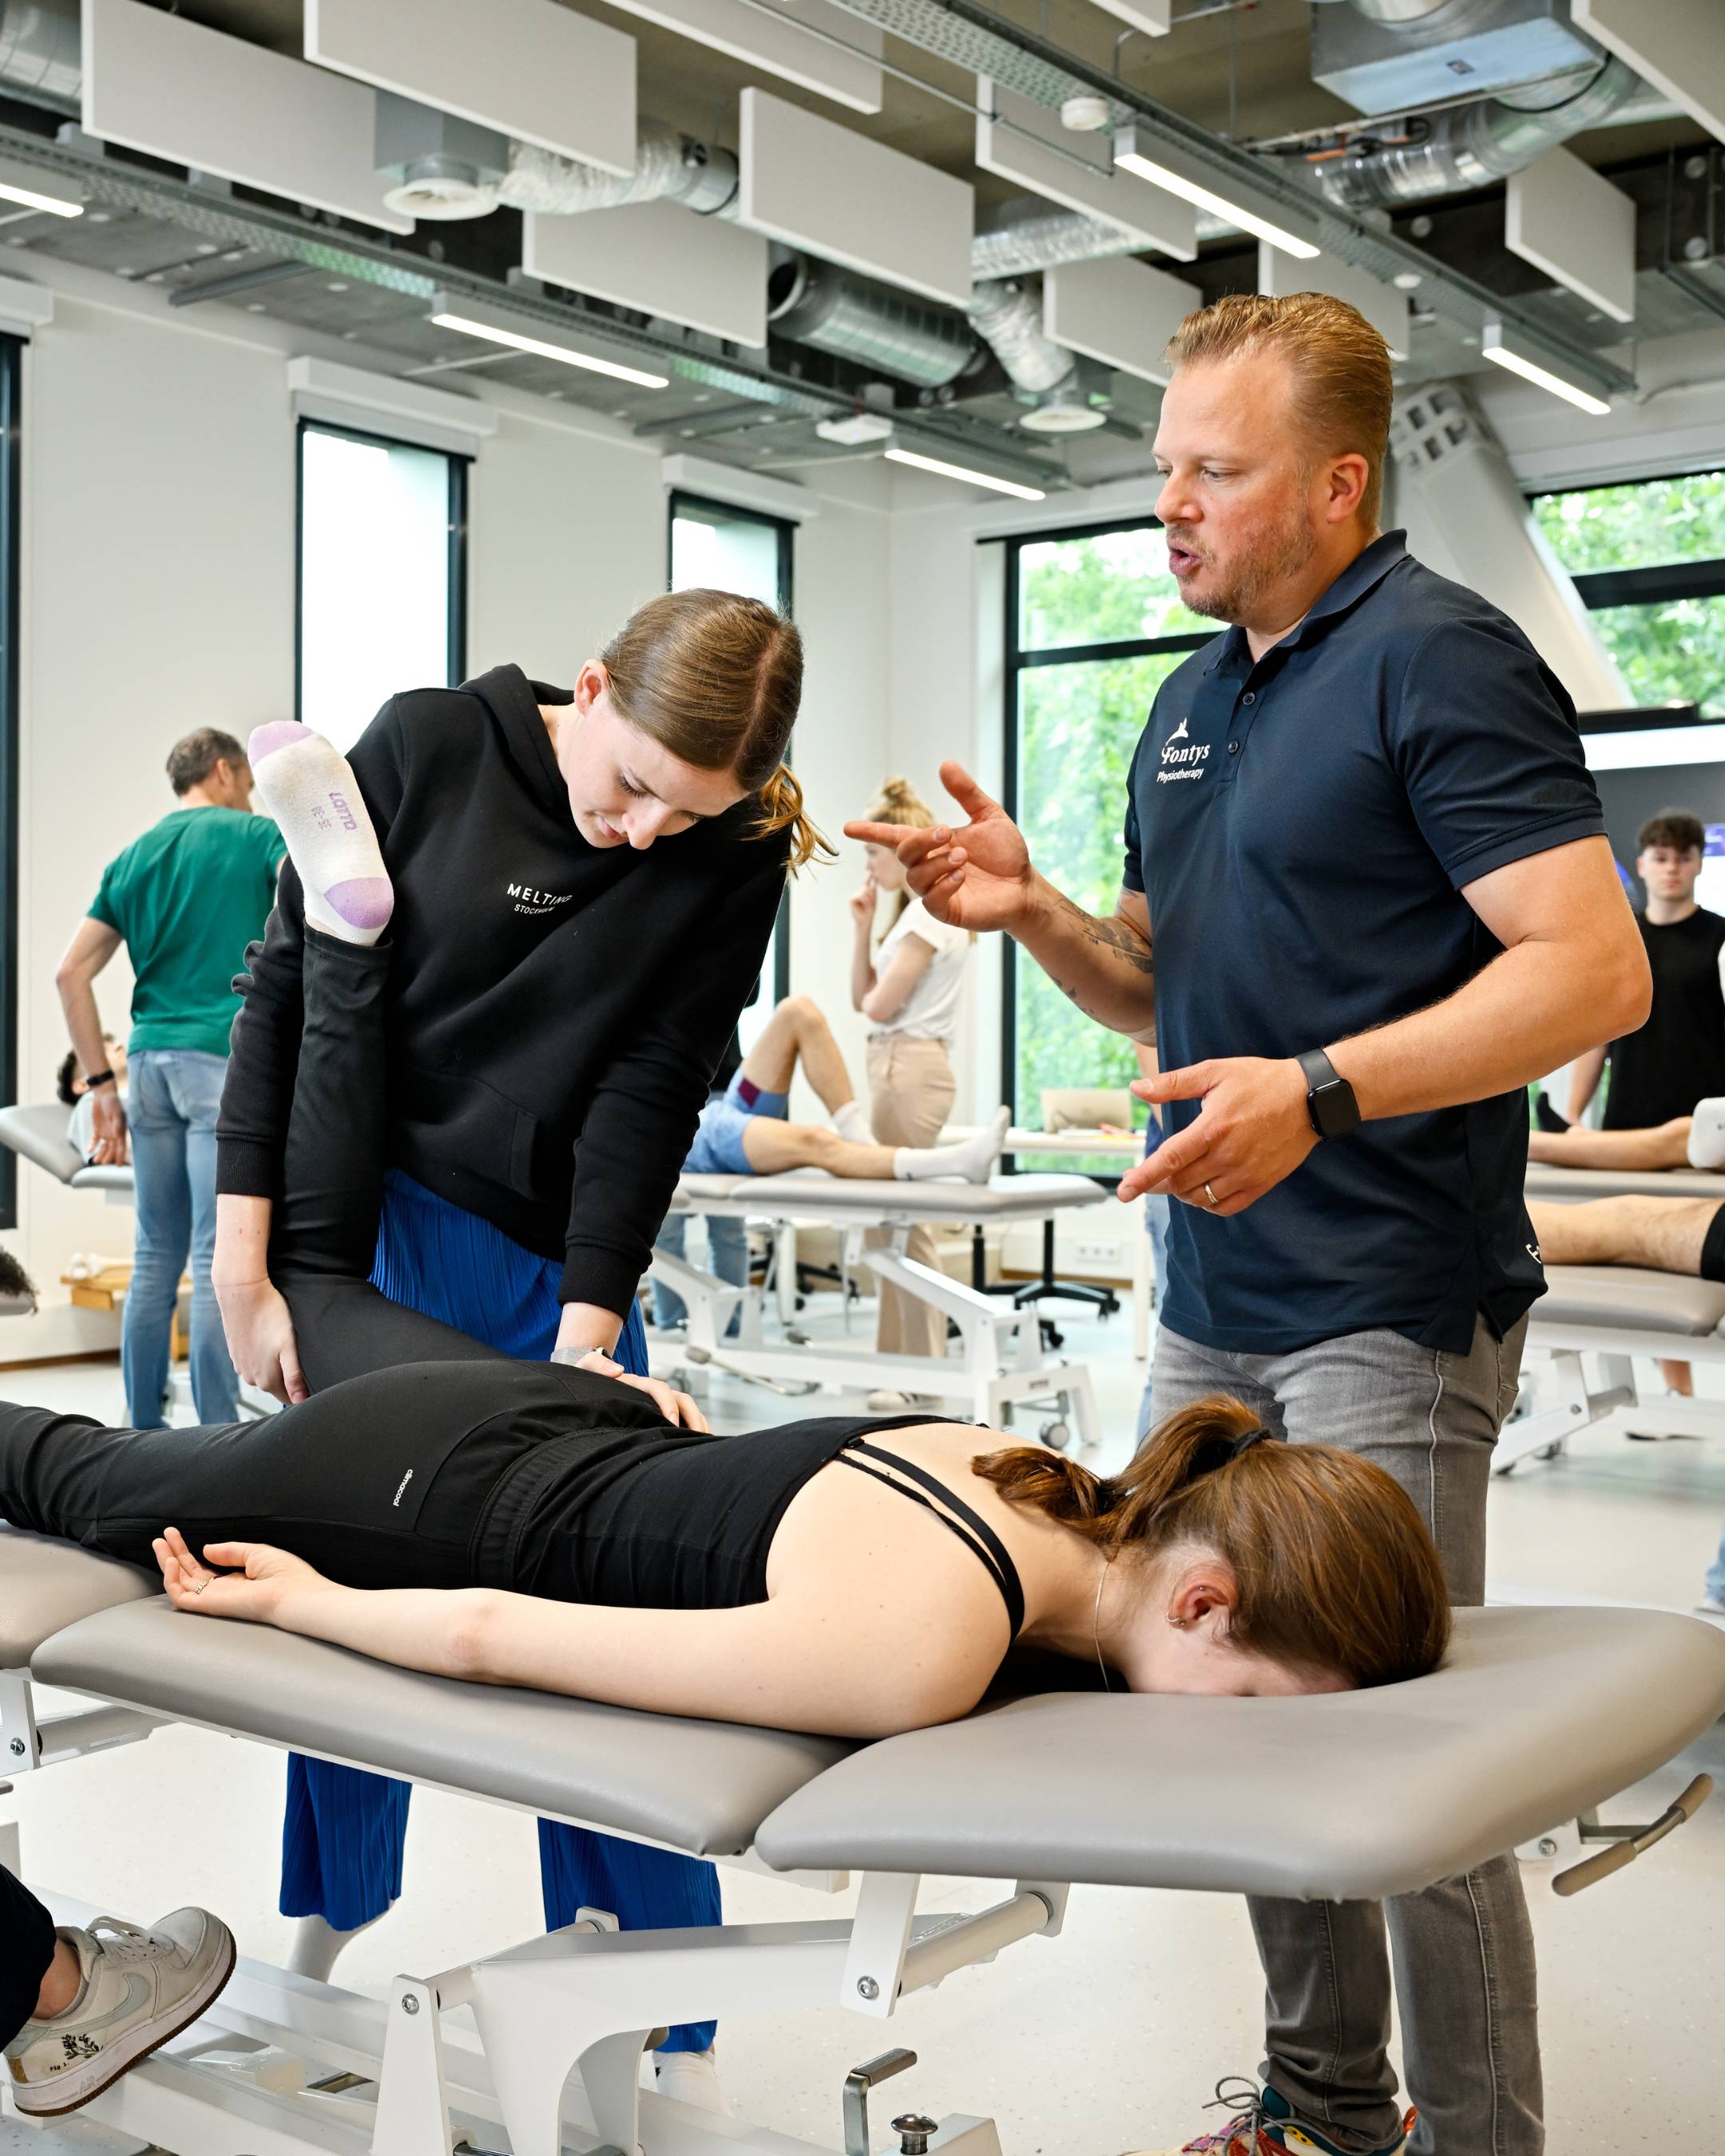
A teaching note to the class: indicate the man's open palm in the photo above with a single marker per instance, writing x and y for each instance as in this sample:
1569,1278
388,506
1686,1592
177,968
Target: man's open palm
977,875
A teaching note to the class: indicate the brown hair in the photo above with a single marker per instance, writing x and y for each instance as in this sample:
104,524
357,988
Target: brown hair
1334,1565
1675,828
717,679
1340,365
191,762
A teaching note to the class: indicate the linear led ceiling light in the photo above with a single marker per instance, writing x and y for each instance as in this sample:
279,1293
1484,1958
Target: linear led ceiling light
1503,348
1166,164
964,472
475,320
38,190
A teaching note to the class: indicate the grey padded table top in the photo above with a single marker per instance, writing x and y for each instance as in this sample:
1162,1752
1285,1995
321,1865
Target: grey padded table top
812,1191
1570,1183
1632,1299
702,1786
37,1134
44,1586
1537,1715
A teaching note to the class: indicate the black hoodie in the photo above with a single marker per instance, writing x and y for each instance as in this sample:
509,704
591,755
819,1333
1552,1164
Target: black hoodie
556,1010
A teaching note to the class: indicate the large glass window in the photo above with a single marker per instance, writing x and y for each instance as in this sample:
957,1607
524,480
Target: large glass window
11,355
382,575
1648,558
715,548
1094,626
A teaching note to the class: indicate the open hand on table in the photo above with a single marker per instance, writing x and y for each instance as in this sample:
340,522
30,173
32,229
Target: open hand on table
232,1579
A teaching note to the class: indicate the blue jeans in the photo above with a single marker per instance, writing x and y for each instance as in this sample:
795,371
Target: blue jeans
727,1243
1716,1575
1157,1207
171,1103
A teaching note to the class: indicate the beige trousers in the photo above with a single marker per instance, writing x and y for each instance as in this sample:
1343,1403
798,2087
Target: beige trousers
911,1090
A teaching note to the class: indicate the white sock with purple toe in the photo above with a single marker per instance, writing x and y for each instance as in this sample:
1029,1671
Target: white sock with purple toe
310,789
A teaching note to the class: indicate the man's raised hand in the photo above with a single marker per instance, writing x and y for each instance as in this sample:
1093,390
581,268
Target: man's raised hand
976,876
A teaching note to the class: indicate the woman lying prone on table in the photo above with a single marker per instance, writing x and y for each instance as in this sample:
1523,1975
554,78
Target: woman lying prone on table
440,1506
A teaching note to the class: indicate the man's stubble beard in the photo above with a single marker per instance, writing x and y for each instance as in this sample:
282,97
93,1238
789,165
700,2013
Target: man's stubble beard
1277,554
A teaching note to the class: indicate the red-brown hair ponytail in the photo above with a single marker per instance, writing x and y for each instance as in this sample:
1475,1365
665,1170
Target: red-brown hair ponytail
1333,1566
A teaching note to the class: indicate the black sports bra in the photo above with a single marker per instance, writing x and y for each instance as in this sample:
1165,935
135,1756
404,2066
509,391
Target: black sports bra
952,1512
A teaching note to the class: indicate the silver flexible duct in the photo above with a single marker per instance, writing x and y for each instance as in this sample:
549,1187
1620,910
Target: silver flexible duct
670,166
812,303
1008,319
1475,144
41,57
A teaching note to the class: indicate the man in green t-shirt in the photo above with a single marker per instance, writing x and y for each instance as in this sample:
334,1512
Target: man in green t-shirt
185,899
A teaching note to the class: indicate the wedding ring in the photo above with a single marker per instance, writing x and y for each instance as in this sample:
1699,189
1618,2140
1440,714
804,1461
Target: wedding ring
1210,1196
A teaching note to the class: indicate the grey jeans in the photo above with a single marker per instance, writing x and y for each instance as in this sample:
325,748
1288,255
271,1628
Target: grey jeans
1462,1951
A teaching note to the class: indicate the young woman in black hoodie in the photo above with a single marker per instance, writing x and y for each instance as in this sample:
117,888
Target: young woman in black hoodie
564,982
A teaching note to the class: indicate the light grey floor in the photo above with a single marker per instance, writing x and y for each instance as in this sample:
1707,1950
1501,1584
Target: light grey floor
1106,2040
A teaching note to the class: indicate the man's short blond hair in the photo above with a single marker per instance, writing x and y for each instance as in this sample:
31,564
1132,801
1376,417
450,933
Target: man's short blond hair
1340,365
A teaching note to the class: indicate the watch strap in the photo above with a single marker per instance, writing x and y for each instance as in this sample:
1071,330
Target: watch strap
99,1078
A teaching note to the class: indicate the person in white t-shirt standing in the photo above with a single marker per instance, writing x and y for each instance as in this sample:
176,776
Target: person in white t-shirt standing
908,987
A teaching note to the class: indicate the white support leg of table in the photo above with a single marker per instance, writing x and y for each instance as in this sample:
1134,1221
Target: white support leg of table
1141,1286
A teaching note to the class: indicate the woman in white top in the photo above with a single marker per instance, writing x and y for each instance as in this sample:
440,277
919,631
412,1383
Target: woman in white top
908,987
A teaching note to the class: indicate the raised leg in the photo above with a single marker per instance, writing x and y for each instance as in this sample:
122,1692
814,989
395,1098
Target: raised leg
1666,1235
797,1032
1666,1145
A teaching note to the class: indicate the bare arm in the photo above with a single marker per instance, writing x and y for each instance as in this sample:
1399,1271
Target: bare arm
1573,968
893,990
980,877
811,1660
1585,1078
91,947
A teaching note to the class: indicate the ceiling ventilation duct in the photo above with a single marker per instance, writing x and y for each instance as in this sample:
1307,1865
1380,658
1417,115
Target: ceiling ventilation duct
41,57
1008,316
812,303
1387,56
670,166
1473,145
443,168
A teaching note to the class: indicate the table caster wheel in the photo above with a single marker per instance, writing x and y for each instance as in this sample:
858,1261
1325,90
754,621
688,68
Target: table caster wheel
1058,1434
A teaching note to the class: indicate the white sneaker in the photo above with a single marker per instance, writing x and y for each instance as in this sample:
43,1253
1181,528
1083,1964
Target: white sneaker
1707,1607
139,1989
692,2077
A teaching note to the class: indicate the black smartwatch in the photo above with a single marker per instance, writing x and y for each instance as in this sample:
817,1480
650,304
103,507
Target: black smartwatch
1329,1099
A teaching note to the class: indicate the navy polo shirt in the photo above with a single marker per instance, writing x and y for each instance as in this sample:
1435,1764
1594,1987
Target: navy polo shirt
1302,829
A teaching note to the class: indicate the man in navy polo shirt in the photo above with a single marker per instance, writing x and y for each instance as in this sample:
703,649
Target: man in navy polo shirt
1366,899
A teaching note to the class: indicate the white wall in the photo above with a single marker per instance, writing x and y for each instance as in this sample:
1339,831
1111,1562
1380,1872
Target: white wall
158,595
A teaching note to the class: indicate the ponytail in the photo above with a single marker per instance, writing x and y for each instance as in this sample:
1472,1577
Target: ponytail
1333,1566
781,810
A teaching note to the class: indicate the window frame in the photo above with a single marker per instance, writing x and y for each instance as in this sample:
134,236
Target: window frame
683,498
1018,660
460,463
12,353
1600,589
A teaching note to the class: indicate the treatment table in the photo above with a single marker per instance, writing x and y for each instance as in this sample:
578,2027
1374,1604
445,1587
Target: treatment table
1537,1717
1000,1362
1616,1312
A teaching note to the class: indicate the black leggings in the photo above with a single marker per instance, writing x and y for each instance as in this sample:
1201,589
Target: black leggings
378,1478
27,1939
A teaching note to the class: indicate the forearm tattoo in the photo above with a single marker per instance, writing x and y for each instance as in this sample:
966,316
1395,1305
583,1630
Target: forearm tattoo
1112,935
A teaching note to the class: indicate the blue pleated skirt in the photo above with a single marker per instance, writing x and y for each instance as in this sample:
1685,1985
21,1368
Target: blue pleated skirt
345,1831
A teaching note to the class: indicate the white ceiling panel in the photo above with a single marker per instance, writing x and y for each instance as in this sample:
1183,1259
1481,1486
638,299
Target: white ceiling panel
1024,142
1679,45
1280,275
1569,221
1120,312
836,55
157,82
661,259
813,184
1155,17
526,67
